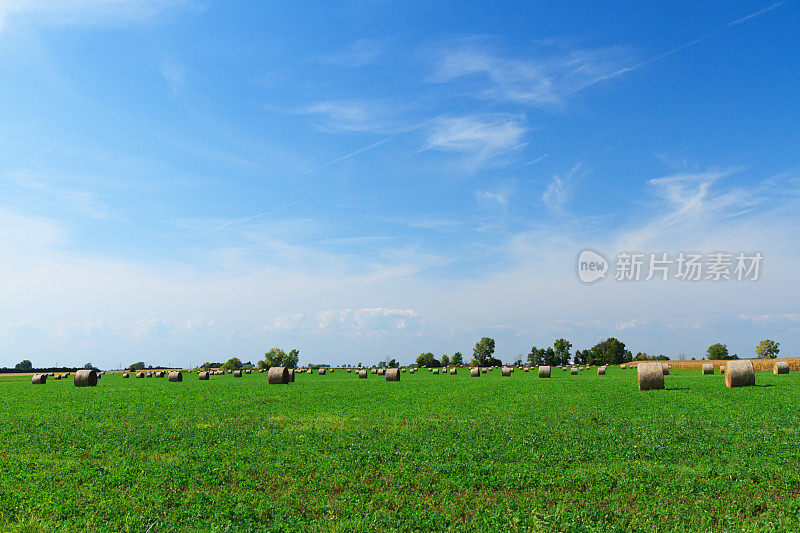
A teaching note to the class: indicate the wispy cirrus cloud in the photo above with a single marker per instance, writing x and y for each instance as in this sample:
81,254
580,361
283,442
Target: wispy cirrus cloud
559,189
479,137
545,79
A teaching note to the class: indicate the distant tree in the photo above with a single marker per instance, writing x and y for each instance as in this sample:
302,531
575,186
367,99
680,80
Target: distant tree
445,360
428,360
536,356
23,366
609,352
482,354
768,349
580,357
718,351
139,365
561,348
457,359
90,366
234,363
393,364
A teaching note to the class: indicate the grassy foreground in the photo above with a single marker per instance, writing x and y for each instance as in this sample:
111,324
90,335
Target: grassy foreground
335,453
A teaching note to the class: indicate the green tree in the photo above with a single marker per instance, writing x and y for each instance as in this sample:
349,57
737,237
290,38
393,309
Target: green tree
768,349
718,351
139,365
428,360
393,364
23,366
234,363
561,348
445,360
609,352
482,354
536,356
277,357
457,359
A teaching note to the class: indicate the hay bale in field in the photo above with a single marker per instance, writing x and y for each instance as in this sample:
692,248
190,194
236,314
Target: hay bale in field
506,372
237,373
125,375
474,372
526,369
39,379
544,371
321,372
140,374
573,371
780,367
260,370
601,371
149,374
362,374
381,371
453,371
349,370
651,376
291,375
85,378
435,371
175,376
483,370
159,374
623,367
739,374
722,369
373,371
665,368
278,375
57,377
403,370
202,376
393,374
707,369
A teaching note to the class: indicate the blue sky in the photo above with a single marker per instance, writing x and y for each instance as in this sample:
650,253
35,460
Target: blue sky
183,181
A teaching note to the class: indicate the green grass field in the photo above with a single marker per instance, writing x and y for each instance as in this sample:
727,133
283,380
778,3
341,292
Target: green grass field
335,453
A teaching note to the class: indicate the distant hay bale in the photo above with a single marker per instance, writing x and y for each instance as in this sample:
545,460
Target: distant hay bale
506,372
57,377
202,376
381,371
349,370
39,379
362,374
85,378
237,373
412,371
526,369
435,371
739,374
149,374
278,375
453,371
544,371
474,372
665,368
321,372
483,370
780,367
573,371
651,376
291,375
601,371
623,367
125,375
140,374
403,370
159,374
564,368
373,371
707,369
175,376
393,374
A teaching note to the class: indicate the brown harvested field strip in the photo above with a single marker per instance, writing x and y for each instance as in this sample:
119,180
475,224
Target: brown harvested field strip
759,365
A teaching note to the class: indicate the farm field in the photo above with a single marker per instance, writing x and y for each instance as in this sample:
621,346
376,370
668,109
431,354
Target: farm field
431,453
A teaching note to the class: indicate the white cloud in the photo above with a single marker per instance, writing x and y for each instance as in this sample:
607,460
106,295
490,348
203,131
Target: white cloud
545,81
84,12
558,190
479,137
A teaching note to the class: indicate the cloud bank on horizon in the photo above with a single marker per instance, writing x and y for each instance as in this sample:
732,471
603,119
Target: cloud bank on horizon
182,181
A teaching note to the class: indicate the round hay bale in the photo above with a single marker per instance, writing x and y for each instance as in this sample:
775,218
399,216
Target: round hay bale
125,375
483,370
321,372
526,369
573,371
202,376
140,374
601,371
506,372
278,375
381,371
175,376
85,378
374,371
39,379
159,374
623,367
544,371
739,374
149,374
474,372
665,368
722,369
393,374
412,371
707,369
362,374
780,367
651,376
291,375
349,370
57,377
237,373
435,371
260,370
403,370
453,371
